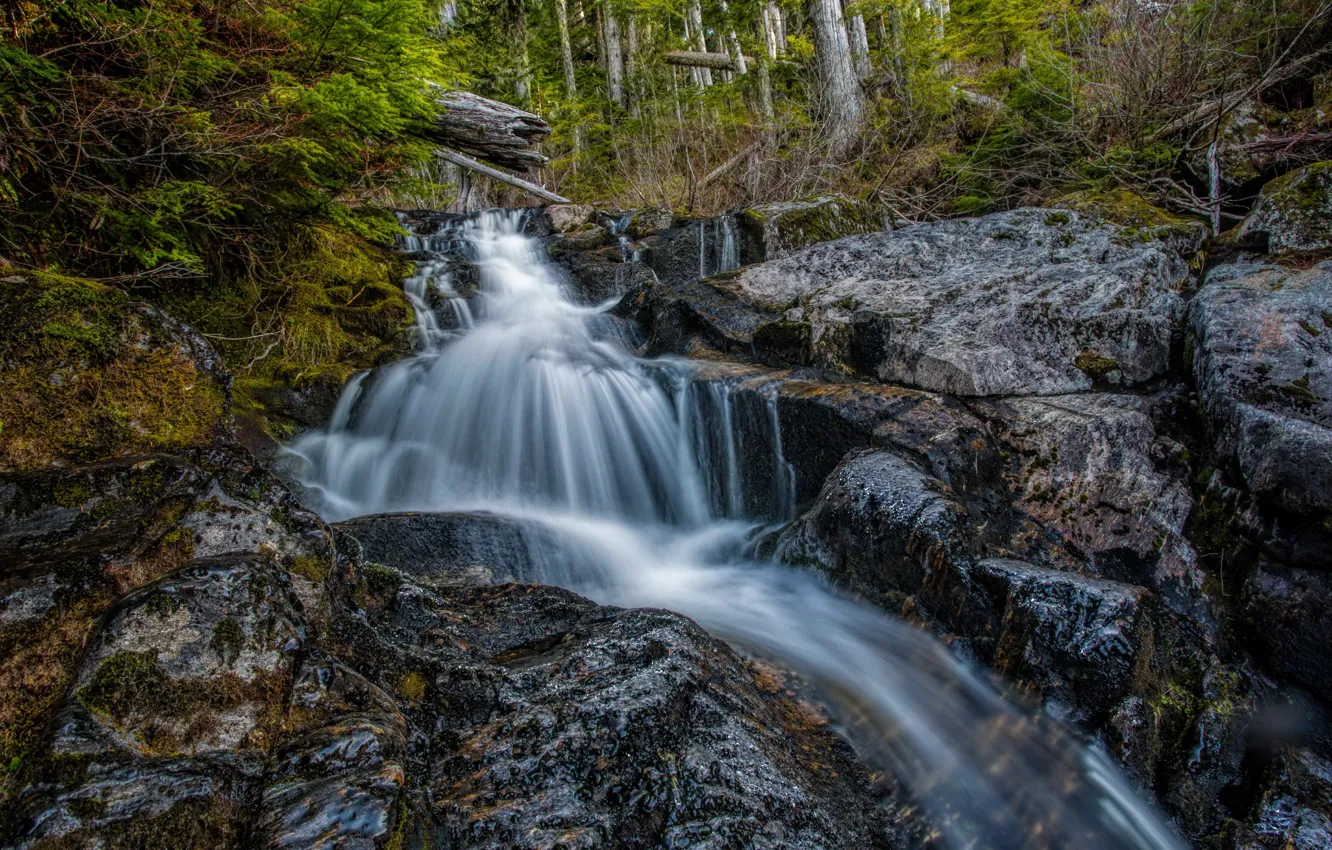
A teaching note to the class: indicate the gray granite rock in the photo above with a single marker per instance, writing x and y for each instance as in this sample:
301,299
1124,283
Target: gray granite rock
1293,213
1029,302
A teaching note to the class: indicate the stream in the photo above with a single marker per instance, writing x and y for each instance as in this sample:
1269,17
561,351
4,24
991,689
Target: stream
522,403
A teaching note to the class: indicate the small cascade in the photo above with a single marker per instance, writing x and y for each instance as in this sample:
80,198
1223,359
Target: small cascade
645,483
728,245
702,249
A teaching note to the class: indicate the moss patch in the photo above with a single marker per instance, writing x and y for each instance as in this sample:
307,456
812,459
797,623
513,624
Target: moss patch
87,374
1095,365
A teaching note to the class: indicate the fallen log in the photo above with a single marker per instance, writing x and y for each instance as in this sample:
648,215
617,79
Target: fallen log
693,59
496,132
495,174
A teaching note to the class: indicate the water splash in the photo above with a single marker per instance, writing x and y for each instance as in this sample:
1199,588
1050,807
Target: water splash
634,472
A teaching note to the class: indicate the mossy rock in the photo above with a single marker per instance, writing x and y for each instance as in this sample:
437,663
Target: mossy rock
1293,214
89,374
1142,220
783,228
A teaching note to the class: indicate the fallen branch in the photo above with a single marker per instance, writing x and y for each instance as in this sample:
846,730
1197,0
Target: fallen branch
728,166
495,174
716,61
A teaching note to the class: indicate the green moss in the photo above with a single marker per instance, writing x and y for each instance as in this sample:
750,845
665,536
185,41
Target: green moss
1299,392
1309,328
1057,218
228,640
314,569
123,683
1124,207
412,686
91,375
1095,365
381,580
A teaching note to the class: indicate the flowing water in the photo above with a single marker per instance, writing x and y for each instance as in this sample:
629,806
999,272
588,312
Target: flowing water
639,472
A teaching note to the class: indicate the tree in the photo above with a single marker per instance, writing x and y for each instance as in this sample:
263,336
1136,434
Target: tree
841,101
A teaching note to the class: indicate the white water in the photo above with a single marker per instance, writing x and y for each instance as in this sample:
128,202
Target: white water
637,471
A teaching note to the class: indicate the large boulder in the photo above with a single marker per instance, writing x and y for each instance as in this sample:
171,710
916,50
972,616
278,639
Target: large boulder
463,548
1030,302
1262,362
1101,489
1293,213
1291,614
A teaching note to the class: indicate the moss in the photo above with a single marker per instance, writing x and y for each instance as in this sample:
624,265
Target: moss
1309,328
412,686
1057,218
228,640
123,683
1126,208
381,580
1095,365
191,825
89,375
1299,392
305,566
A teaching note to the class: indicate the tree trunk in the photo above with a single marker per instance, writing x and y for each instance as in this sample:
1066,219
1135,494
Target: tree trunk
614,55
841,101
495,174
694,17
566,49
770,31
515,26
733,42
896,45
859,40
493,131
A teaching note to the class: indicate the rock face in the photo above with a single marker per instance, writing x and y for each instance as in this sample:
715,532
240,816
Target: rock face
1262,359
1032,302
1293,213
785,227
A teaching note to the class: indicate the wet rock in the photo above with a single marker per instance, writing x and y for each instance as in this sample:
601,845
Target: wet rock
457,548
788,226
191,804
1295,810
707,314
696,249
596,277
1092,472
1072,640
1030,302
1262,361
646,222
1293,213
642,730
1291,614
192,664
880,527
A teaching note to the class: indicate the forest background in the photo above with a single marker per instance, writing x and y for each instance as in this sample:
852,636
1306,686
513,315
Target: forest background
236,160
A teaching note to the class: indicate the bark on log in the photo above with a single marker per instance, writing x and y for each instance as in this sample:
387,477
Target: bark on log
495,132
694,59
495,174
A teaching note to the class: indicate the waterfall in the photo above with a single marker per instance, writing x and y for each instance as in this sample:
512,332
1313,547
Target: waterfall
635,472
728,246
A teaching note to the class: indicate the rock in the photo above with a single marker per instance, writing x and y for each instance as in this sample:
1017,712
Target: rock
90,375
649,221
879,527
703,315
1291,614
1030,302
193,664
692,250
1262,362
1072,640
1293,213
785,227
596,277
1295,810
1092,472
567,218
446,548
1124,207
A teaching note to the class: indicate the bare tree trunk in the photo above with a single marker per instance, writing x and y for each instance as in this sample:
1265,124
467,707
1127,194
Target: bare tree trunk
694,18
841,99
733,42
566,48
769,13
896,45
859,40
720,48
614,55
515,22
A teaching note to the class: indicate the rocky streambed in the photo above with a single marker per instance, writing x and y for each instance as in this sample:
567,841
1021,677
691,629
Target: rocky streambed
1093,457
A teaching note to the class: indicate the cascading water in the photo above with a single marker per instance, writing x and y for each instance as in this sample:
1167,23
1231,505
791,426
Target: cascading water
634,469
